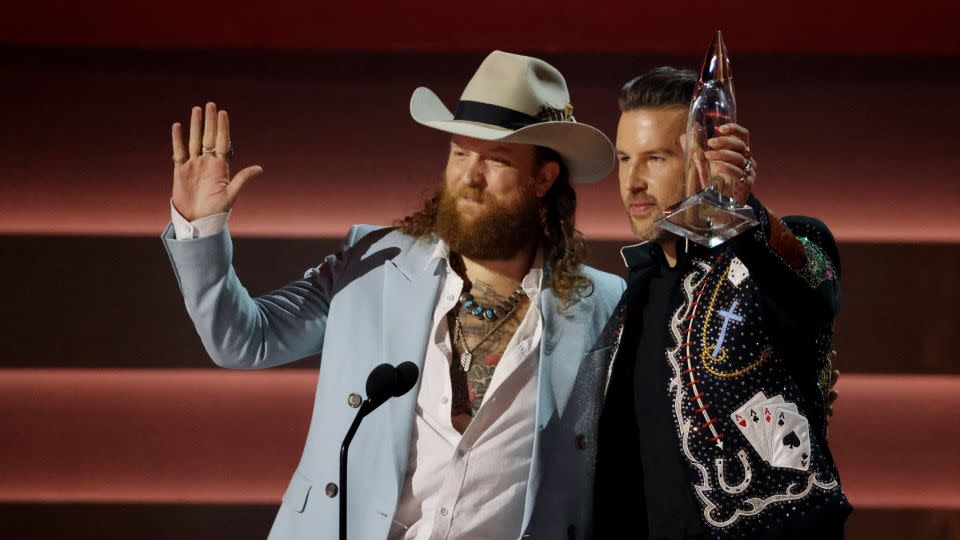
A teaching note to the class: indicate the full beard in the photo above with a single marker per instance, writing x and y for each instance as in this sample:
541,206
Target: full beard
496,232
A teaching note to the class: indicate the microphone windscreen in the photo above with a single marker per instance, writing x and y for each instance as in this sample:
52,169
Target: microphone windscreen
381,382
407,375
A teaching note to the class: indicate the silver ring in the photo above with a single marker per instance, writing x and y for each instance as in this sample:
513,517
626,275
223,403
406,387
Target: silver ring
227,156
746,172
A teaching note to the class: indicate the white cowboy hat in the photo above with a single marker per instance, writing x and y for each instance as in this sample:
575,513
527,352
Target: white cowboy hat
519,99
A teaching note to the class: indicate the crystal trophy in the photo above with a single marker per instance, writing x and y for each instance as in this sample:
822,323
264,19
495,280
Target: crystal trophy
707,216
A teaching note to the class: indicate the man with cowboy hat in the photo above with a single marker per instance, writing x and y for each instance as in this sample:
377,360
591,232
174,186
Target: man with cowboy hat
483,288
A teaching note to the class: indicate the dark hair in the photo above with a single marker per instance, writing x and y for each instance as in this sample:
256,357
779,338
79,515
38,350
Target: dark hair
660,87
564,249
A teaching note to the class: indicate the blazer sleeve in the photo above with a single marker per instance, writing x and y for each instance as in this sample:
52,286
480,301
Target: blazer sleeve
250,333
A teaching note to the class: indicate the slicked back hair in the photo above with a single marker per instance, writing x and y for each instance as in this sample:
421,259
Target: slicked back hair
660,87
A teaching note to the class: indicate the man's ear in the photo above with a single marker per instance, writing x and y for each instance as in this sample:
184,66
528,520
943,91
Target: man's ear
545,178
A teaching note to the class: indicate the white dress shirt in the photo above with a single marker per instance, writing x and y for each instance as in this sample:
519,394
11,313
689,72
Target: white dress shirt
198,228
471,485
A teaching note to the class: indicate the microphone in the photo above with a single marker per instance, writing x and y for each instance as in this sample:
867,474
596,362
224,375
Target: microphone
384,382
380,385
407,375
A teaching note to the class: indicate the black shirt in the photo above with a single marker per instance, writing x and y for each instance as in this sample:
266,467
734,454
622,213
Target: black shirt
642,484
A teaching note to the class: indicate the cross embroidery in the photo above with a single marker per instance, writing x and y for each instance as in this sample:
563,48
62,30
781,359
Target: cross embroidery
728,315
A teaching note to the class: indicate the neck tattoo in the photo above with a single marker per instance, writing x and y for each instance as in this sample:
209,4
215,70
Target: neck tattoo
500,314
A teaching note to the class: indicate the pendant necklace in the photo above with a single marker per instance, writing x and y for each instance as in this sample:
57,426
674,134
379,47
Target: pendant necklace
504,312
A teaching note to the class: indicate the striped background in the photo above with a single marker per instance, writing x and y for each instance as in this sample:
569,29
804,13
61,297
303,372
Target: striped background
116,425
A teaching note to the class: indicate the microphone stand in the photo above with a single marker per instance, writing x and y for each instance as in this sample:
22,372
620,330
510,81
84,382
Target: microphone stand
365,409
384,382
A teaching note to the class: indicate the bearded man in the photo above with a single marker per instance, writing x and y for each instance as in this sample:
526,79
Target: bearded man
484,289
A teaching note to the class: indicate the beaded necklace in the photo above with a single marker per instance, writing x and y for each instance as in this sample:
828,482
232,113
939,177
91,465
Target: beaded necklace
501,311
491,314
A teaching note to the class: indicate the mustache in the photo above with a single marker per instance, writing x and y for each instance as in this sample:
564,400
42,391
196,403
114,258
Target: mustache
473,194
641,200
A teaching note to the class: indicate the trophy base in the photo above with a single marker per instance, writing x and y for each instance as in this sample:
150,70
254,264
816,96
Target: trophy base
708,218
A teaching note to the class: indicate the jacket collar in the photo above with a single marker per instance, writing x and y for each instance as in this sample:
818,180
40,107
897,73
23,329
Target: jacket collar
646,255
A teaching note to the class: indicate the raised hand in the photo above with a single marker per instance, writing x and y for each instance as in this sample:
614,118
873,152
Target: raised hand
727,165
731,161
201,172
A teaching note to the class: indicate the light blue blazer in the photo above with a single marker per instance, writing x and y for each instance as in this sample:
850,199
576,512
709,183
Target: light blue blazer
371,303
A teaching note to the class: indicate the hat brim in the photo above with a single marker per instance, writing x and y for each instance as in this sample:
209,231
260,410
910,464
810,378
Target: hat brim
588,153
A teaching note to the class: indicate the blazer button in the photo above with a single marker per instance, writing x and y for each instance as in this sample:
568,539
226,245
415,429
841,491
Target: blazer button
581,441
332,490
354,400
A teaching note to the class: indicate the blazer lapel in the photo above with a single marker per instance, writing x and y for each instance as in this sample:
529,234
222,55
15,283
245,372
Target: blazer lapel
561,348
564,343
632,318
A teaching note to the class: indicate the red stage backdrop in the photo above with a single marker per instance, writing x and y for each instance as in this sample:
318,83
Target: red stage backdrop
116,425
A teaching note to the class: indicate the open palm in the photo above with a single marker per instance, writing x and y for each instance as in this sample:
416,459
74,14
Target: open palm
201,173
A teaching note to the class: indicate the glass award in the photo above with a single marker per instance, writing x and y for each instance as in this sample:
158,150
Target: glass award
707,216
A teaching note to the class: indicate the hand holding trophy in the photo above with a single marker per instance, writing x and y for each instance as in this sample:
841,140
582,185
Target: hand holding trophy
711,212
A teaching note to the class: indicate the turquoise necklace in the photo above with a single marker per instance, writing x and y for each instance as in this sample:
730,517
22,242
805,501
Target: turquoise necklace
491,313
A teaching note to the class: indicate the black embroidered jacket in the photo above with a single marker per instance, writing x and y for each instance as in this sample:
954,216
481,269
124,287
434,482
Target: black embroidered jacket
754,325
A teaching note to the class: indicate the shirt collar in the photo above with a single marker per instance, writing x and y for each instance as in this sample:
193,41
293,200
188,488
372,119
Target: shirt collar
636,255
645,254
441,252
533,281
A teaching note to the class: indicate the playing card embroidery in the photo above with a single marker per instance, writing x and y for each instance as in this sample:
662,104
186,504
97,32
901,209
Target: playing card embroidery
744,420
792,440
790,443
738,272
777,432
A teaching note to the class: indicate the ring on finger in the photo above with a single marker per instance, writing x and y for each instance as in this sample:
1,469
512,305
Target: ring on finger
746,172
228,155
747,153
210,150
179,161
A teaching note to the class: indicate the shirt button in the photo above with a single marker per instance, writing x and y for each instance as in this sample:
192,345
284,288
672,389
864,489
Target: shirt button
444,511
450,298
332,490
461,452
444,400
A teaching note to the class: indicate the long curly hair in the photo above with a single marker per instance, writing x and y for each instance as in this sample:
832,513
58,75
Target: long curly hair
563,246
